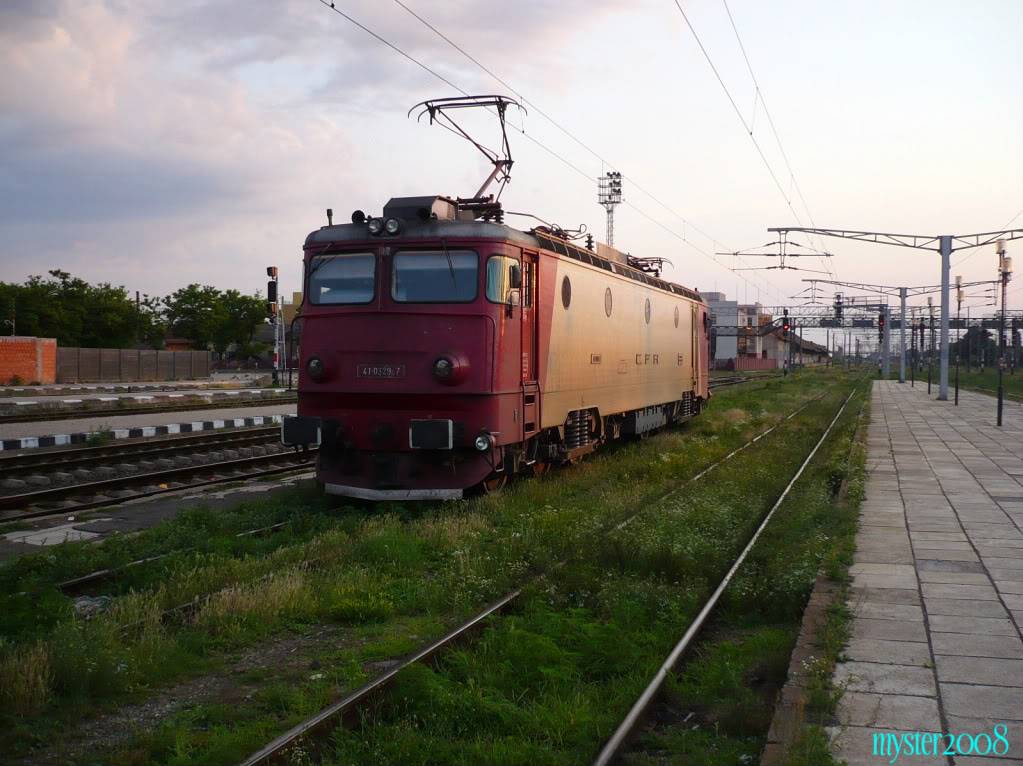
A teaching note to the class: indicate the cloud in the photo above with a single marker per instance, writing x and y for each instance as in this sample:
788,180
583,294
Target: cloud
104,124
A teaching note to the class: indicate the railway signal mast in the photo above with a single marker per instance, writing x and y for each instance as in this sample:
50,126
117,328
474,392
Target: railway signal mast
276,321
609,194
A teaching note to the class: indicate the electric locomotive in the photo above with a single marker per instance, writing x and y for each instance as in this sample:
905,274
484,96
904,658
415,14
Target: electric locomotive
443,351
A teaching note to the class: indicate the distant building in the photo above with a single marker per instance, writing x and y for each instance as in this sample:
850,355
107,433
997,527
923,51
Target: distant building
796,348
177,344
725,314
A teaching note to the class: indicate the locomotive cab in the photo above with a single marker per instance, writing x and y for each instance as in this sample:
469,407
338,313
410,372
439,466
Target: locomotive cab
413,366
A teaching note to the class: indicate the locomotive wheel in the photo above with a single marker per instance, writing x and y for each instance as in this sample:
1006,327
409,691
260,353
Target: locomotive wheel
495,484
541,469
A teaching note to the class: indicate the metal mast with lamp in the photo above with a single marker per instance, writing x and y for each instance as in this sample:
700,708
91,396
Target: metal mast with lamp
1004,273
609,194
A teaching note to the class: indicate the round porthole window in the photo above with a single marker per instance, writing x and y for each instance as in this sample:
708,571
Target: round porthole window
566,292
676,316
608,301
646,311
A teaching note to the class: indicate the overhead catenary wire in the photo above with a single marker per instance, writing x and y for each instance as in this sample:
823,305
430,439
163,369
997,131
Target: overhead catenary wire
759,96
575,168
738,113
975,250
632,181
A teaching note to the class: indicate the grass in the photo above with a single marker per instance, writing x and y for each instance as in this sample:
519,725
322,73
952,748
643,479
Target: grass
546,686
376,576
985,382
100,438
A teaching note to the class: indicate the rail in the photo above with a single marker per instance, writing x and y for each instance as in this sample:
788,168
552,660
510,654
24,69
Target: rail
634,717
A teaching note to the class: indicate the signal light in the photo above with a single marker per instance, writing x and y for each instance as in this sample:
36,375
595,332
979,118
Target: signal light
271,271
785,326
880,326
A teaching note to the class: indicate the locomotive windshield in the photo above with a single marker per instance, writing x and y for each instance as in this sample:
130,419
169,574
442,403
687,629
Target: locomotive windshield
342,278
435,276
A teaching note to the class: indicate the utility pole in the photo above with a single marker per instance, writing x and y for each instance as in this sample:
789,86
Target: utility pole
1004,270
609,194
969,342
886,367
944,244
902,335
912,358
930,351
946,267
959,338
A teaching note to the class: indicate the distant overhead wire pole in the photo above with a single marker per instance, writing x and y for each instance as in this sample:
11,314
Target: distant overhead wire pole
685,222
941,243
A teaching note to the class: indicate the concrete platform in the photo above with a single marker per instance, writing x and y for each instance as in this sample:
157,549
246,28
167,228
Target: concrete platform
937,589
19,436
111,402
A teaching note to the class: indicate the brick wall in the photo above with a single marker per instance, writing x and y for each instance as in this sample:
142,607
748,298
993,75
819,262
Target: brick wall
29,360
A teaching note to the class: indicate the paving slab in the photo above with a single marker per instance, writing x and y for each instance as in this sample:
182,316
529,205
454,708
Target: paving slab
937,579
979,670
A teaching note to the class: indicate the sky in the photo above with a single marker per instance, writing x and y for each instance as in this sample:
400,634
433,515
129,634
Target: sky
153,144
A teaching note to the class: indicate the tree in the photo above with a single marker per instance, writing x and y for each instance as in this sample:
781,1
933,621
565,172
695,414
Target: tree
71,310
236,319
190,313
214,319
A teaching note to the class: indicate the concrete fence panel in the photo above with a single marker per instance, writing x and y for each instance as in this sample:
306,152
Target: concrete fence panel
113,365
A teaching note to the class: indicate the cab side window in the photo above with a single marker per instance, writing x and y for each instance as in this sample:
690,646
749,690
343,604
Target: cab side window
500,277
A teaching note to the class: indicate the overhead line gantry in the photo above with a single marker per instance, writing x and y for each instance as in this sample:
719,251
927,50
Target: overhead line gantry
944,244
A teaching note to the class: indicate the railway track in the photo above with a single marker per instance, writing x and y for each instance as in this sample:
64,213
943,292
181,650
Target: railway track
636,715
735,380
105,492
76,496
99,412
85,457
348,709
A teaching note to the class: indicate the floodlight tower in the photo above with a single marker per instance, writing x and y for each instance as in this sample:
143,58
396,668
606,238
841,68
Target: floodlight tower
609,194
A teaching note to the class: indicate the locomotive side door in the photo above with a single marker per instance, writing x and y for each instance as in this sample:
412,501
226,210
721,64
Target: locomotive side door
530,349
695,333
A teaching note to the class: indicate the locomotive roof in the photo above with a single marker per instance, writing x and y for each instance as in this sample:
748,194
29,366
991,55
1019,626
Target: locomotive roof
437,229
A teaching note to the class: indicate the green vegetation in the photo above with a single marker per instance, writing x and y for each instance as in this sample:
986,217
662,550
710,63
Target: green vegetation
77,313
101,437
543,684
987,382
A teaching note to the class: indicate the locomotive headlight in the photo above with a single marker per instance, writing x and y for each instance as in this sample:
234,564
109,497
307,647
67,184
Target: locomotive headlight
392,226
484,442
375,225
316,369
443,368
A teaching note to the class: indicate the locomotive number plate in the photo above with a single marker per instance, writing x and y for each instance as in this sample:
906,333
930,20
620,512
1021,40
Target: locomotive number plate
380,371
